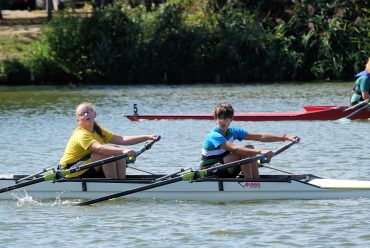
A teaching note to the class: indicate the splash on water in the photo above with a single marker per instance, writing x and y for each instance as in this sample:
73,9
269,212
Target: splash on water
25,200
342,121
59,202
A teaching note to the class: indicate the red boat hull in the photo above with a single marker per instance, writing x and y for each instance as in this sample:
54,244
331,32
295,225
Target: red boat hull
311,113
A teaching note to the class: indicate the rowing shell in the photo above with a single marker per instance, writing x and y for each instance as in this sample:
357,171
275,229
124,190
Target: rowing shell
269,187
310,113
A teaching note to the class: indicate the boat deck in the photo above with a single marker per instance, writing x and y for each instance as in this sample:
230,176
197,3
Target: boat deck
151,178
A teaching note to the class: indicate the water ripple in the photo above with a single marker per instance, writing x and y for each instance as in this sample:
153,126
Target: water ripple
36,124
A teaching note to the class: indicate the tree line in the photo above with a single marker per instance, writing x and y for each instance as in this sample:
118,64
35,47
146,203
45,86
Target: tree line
192,41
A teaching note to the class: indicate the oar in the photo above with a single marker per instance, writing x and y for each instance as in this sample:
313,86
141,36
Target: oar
34,175
280,150
283,148
348,117
192,175
184,177
56,175
358,105
173,174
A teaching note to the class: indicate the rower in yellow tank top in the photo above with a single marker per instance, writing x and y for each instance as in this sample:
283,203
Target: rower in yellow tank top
89,142
77,148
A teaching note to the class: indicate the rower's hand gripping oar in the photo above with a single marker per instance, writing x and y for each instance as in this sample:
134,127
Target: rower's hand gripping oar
357,111
360,107
56,175
147,146
189,176
280,150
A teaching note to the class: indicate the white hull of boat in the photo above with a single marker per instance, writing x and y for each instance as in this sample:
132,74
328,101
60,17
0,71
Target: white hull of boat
214,190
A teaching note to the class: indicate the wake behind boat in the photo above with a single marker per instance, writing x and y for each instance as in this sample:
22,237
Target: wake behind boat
310,113
268,187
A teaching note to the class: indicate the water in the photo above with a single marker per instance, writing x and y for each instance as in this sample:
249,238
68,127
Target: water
36,124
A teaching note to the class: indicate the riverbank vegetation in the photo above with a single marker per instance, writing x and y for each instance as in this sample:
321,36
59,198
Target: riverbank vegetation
182,41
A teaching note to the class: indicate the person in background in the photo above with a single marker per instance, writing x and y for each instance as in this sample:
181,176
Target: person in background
218,147
361,89
88,143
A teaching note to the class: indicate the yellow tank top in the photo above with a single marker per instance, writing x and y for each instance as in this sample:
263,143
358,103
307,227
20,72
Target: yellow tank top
78,145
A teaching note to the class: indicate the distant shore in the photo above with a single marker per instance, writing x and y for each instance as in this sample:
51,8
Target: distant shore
19,27
182,42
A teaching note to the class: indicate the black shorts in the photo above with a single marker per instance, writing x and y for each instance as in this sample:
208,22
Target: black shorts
222,173
91,172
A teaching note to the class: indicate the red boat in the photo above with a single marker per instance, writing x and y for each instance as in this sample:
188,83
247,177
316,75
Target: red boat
310,113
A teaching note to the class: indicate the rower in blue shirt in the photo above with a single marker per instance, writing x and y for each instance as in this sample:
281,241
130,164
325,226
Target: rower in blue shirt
218,147
361,89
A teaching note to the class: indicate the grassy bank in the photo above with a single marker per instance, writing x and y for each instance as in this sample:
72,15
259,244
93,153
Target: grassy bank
18,31
185,41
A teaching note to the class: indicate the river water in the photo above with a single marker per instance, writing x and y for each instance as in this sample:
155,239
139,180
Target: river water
36,123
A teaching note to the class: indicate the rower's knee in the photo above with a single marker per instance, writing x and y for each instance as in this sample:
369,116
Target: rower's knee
97,156
250,147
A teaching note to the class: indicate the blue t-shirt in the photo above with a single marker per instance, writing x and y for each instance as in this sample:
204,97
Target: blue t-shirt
211,150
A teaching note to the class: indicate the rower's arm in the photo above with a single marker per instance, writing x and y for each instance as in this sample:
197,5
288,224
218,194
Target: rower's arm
241,150
365,95
109,150
267,137
263,137
131,140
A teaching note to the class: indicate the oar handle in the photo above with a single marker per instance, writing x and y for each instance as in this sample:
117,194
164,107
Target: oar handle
280,150
357,111
283,148
148,145
360,104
